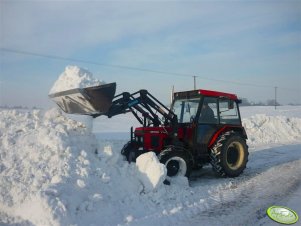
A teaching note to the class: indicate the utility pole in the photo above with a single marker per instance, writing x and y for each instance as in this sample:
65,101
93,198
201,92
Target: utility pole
194,82
275,97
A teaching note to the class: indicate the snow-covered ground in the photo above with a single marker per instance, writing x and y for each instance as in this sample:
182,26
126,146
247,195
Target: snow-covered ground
55,171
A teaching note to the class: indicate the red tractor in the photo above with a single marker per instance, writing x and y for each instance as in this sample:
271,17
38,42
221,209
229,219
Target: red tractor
201,126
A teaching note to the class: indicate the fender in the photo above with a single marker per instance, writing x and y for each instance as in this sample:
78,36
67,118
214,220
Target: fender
226,128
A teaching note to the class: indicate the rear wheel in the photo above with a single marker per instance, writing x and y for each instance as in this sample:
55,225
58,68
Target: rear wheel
177,162
229,154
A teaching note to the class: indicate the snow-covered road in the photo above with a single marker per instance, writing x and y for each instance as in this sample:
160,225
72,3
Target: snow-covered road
272,178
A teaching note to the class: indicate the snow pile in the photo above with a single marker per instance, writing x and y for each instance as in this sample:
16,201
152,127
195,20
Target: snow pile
74,77
152,172
39,150
263,129
53,172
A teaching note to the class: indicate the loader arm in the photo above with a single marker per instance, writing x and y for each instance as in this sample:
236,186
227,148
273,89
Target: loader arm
147,109
100,100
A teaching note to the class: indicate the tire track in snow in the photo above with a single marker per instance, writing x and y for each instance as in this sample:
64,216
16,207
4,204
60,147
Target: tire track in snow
249,201
269,180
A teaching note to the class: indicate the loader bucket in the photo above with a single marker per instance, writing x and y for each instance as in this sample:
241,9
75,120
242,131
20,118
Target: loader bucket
94,100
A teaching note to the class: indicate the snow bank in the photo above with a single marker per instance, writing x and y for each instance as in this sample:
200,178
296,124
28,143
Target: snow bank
39,150
74,77
152,172
53,172
263,129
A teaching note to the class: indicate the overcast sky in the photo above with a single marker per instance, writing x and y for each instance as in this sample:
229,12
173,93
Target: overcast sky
257,42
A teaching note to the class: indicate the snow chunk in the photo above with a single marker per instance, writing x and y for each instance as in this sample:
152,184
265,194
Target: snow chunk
74,77
129,218
152,172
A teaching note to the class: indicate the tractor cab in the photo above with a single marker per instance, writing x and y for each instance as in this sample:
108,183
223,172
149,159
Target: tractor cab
203,115
206,107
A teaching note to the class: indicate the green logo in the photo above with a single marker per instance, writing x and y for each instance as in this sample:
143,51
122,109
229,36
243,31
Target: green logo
282,214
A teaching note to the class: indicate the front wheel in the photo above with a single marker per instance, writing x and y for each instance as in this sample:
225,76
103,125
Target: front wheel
130,151
229,154
177,162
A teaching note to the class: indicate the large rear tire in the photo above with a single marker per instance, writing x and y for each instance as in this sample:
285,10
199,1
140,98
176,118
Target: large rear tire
229,154
177,162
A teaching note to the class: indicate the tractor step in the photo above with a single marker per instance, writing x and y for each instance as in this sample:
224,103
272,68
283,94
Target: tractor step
92,101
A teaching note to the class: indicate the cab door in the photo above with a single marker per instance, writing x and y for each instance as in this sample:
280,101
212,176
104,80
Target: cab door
207,124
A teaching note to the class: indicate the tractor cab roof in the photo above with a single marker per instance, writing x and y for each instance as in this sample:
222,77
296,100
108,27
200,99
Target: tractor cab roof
203,92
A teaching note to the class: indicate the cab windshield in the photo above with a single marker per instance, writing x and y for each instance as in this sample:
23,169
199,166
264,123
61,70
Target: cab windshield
186,109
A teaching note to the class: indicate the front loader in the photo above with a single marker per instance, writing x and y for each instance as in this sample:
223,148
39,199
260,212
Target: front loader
201,127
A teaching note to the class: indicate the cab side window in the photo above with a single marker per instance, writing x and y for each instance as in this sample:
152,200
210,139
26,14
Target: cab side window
186,109
228,112
209,111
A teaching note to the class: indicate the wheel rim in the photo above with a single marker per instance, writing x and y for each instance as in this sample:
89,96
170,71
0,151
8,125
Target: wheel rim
235,155
176,166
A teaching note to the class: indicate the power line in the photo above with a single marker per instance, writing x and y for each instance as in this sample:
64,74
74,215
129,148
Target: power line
90,62
129,68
